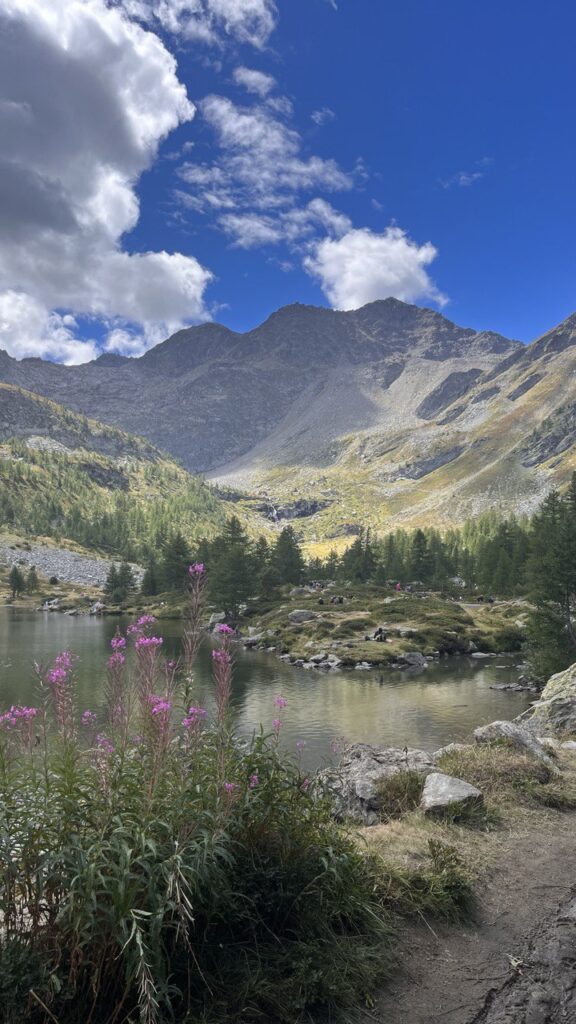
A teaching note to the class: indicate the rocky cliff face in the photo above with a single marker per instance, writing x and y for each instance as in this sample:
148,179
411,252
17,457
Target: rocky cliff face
390,412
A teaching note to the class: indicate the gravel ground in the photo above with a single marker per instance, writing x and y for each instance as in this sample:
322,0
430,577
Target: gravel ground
68,566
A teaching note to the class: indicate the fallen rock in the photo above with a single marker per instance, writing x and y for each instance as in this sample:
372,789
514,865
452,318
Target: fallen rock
353,783
300,592
444,793
301,615
319,658
215,619
555,712
516,736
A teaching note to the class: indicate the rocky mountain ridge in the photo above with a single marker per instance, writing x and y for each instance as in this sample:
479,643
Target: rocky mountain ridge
386,414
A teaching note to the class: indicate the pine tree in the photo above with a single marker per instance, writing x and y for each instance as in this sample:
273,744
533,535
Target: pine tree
176,558
149,586
32,582
287,557
231,578
16,581
126,581
111,584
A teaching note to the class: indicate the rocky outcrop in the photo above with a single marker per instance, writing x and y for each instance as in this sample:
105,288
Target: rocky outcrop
514,735
353,784
555,713
300,615
445,795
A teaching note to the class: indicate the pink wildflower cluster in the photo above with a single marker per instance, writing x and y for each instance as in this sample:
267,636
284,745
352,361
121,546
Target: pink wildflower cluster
59,681
88,718
253,781
230,787
159,705
104,745
118,642
148,642
17,714
224,630
197,569
280,702
222,657
141,625
194,717
276,725
116,660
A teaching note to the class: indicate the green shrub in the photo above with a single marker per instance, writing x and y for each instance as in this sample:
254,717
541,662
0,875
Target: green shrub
441,889
173,875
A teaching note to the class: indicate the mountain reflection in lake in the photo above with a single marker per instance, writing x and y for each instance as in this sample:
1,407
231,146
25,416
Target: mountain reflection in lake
392,708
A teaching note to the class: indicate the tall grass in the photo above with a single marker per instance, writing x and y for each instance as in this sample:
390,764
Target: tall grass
155,869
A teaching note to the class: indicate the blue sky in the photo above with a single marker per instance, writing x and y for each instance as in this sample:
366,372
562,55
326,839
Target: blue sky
336,153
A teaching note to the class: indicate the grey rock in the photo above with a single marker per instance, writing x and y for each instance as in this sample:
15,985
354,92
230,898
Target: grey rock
413,659
300,615
216,618
319,658
300,592
444,793
555,712
515,736
353,783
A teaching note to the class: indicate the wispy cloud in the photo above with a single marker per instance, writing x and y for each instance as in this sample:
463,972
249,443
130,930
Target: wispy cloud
254,81
322,116
464,179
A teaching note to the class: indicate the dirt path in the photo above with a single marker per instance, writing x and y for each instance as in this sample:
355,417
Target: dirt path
517,963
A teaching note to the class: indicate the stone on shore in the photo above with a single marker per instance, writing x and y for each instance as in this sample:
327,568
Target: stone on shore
353,783
515,736
443,794
555,712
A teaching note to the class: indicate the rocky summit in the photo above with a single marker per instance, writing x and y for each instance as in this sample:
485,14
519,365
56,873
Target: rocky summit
389,414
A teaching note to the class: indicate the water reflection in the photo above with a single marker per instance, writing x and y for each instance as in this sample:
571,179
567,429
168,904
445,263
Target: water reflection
396,708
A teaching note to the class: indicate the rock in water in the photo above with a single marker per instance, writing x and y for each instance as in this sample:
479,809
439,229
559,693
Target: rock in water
443,793
353,783
555,712
515,736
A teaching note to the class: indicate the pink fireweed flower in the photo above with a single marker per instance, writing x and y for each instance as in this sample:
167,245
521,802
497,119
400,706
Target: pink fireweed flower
280,702
141,624
229,787
276,725
16,714
103,744
116,660
161,707
225,630
194,717
171,666
222,657
88,718
253,781
59,681
197,569
148,642
118,642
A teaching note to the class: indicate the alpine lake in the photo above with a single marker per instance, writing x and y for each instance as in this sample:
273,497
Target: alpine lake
392,708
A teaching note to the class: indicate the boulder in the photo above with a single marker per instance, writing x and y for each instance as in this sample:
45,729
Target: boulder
515,736
215,619
300,592
353,783
444,794
555,712
319,658
413,659
301,615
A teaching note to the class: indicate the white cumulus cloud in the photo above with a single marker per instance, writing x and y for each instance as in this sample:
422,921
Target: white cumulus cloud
254,81
361,266
74,143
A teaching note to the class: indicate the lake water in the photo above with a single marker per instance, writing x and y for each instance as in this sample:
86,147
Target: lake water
438,706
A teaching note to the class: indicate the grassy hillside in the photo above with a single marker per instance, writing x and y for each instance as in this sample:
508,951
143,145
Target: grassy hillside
72,479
